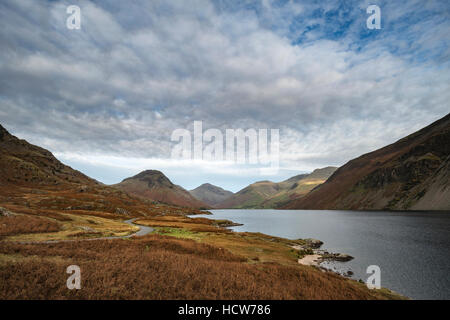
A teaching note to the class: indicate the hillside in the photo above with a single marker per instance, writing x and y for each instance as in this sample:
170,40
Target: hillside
33,182
300,187
410,174
154,185
210,194
267,194
22,163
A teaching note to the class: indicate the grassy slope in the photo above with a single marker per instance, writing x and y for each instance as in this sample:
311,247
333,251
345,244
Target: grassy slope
160,267
186,259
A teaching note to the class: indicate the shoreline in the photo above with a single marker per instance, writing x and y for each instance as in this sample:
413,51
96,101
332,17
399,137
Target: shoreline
310,260
309,253
315,258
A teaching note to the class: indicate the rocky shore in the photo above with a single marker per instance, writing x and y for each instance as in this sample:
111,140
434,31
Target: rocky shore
226,223
314,256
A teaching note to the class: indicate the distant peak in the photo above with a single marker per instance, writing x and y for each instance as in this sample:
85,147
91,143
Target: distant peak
153,177
207,185
210,187
150,173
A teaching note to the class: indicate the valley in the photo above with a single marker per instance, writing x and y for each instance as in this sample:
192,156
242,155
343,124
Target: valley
48,210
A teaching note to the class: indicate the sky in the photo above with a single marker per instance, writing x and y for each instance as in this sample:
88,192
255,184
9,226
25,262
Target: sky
106,98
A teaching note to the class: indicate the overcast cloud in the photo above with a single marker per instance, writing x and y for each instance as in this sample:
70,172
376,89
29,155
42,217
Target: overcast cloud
105,99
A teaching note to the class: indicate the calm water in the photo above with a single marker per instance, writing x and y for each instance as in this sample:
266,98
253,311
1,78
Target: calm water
412,249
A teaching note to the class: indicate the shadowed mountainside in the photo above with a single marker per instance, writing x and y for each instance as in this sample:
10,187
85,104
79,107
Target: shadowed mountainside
210,194
154,185
410,174
268,194
22,163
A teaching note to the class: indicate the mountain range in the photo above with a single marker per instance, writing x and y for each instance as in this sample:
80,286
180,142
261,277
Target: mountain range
268,194
410,174
33,181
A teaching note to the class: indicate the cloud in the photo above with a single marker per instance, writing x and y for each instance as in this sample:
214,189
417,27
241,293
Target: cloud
138,70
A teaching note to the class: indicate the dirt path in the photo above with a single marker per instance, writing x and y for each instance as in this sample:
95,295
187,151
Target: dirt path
143,230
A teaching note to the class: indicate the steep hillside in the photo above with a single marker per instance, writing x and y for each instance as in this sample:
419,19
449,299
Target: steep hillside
410,174
22,163
267,194
210,194
154,185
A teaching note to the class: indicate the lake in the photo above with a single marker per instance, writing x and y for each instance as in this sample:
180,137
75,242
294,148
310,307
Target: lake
412,249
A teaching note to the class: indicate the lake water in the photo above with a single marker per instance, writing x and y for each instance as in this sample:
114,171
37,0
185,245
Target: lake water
412,249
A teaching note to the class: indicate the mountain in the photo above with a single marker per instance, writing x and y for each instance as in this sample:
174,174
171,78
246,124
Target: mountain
410,174
210,194
34,182
251,196
22,163
298,186
154,185
267,194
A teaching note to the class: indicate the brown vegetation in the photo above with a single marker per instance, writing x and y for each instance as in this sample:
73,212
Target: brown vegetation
18,224
198,260
157,267
192,224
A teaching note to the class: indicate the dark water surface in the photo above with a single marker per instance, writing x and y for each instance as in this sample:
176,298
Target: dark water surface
411,248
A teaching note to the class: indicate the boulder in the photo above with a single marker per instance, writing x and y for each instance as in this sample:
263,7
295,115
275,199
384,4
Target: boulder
314,243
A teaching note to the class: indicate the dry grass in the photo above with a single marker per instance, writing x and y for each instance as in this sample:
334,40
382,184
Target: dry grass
100,201
195,260
47,213
78,226
157,267
14,225
253,246
193,224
